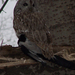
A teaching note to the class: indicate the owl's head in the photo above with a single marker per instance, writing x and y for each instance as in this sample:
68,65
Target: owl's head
25,6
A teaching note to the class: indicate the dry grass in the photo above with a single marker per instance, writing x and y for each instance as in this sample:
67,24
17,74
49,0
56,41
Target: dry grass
67,52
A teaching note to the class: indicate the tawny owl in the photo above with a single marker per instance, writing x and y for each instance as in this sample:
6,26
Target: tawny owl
33,18
30,21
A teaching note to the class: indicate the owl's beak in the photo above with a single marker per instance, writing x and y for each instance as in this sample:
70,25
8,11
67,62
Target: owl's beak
31,9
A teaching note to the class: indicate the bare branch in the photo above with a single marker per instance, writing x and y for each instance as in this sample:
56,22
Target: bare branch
3,6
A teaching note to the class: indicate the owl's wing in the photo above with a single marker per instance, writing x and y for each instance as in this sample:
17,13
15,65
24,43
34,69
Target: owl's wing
32,47
32,54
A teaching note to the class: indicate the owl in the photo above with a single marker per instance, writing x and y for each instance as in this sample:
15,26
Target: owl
30,21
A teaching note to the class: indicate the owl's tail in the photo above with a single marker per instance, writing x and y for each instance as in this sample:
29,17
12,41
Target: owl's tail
63,62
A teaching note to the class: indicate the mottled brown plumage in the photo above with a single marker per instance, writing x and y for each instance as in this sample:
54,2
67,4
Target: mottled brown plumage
31,22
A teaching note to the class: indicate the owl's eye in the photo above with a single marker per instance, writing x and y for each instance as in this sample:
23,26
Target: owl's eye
33,5
25,4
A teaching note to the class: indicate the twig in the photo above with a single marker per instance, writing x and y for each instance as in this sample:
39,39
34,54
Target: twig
3,6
